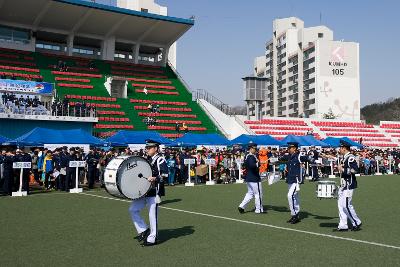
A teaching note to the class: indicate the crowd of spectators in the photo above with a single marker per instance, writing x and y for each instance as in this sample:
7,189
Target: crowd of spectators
153,108
150,121
63,66
79,109
20,104
32,105
50,169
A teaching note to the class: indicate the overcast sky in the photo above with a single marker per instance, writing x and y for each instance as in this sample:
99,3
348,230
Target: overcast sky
219,50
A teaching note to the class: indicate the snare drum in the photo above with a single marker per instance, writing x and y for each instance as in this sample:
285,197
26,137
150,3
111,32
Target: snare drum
327,189
126,177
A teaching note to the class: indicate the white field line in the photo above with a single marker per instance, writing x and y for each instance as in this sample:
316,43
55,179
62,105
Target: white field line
259,224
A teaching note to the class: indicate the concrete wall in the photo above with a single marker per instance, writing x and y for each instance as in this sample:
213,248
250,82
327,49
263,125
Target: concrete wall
137,5
228,123
282,25
26,47
310,34
259,66
153,8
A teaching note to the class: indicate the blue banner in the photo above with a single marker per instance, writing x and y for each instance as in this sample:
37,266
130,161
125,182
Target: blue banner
26,87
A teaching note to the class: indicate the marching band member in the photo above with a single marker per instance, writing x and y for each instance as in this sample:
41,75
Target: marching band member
152,199
92,159
7,160
348,169
253,180
294,178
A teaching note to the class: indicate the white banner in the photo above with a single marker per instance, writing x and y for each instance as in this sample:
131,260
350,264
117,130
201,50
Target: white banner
21,165
79,164
189,161
210,162
25,86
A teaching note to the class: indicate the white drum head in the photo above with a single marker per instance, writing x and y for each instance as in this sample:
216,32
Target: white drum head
132,177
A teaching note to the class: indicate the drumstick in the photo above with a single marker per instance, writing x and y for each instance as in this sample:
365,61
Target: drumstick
141,176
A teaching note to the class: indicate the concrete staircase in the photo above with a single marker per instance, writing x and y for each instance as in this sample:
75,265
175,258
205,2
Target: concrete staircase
316,129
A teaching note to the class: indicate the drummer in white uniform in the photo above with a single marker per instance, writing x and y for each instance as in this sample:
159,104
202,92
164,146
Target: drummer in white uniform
152,199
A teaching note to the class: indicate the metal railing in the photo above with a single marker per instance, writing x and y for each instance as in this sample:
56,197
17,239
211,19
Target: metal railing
244,126
180,77
203,94
48,111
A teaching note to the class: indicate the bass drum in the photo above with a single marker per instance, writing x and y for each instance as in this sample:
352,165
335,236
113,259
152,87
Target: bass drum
126,177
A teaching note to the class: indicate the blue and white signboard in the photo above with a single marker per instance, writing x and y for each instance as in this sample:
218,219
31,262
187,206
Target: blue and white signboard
26,87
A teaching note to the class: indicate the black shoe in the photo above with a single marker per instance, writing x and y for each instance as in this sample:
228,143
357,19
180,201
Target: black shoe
290,220
148,244
143,235
241,210
295,220
356,228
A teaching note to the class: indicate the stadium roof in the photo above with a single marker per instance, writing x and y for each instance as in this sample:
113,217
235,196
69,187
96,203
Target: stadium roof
93,20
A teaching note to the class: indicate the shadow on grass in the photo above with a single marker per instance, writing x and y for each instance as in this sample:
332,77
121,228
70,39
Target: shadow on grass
167,234
276,208
328,225
305,214
302,214
169,201
31,192
268,208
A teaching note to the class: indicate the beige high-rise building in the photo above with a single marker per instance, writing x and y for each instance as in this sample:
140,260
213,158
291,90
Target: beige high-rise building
307,73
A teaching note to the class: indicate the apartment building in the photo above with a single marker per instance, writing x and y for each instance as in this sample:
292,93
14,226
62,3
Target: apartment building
308,74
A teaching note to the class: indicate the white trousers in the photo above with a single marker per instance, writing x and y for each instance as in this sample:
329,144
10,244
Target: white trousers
253,190
293,199
140,225
346,209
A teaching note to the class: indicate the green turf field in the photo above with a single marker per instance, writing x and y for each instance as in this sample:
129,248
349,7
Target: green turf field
201,226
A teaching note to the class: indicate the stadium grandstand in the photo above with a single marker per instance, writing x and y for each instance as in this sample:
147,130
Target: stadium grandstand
105,74
385,135
87,67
